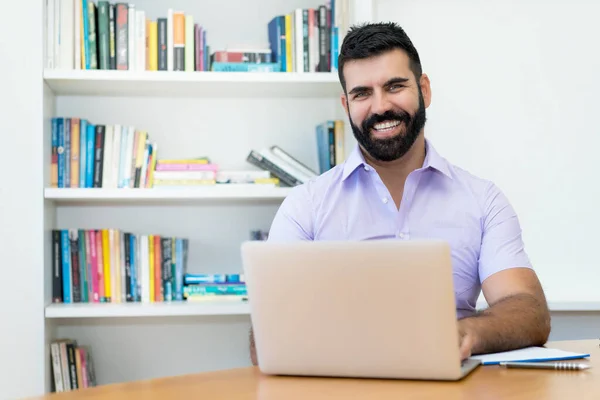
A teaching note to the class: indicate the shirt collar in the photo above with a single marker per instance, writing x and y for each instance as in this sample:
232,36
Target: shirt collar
432,161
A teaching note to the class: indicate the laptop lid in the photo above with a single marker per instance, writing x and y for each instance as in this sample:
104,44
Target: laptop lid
381,309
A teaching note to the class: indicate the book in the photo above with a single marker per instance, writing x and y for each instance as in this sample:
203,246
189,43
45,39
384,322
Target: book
529,354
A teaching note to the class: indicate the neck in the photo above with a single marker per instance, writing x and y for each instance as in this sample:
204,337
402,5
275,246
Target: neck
400,168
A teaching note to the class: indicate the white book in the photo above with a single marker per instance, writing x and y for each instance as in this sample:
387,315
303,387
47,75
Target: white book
290,169
140,40
67,27
50,36
131,55
129,157
116,157
56,45
288,159
299,40
107,157
170,39
144,165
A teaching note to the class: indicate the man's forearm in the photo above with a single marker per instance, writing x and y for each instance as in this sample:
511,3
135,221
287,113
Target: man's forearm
517,321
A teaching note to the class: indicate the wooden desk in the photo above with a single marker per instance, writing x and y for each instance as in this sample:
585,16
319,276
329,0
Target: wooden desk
487,382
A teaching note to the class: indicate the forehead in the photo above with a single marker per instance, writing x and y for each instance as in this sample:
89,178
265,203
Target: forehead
375,71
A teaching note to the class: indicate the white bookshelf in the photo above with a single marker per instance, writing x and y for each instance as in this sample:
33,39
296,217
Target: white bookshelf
194,84
217,192
134,310
188,114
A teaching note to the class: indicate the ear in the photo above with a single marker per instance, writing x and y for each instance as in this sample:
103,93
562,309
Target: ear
344,100
425,89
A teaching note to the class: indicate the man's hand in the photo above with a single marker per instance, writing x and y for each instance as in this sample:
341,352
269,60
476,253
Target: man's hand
466,341
253,357
518,315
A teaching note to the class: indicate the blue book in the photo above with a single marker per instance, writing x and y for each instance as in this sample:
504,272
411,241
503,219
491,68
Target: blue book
276,33
132,268
60,127
65,244
83,155
244,67
90,155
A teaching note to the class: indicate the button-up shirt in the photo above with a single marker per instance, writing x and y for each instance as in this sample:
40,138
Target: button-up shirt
440,201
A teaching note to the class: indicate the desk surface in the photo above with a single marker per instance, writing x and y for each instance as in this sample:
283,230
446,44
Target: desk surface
487,382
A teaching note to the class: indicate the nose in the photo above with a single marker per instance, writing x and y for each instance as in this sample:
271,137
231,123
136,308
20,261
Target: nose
380,102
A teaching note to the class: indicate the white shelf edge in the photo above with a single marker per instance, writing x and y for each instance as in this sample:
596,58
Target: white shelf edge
178,309
194,84
191,77
162,309
196,193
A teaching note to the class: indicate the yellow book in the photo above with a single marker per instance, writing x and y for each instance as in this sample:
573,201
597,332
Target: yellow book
113,266
152,52
151,261
118,295
150,182
75,137
288,43
106,260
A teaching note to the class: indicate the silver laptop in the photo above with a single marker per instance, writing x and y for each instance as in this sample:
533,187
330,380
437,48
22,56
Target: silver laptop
368,309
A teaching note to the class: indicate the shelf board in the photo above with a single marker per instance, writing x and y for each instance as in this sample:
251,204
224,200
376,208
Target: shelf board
193,84
162,309
216,192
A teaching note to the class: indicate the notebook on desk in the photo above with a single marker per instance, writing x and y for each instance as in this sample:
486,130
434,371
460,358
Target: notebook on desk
529,354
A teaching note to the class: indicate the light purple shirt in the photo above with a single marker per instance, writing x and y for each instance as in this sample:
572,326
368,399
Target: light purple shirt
440,201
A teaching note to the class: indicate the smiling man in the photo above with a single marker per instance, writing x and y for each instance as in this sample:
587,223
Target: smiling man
395,185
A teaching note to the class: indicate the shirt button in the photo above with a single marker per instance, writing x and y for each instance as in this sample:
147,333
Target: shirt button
385,200
367,168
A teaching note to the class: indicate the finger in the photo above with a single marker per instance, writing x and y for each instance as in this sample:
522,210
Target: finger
465,348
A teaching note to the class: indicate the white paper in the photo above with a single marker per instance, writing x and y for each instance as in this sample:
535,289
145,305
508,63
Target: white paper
529,354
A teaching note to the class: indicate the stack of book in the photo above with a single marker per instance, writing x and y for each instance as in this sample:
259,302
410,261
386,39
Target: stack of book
281,165
72,366
119,36
181,173
87,155
214,287
330,144
114,266
308,39
107,35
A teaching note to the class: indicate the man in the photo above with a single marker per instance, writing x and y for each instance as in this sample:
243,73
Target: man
395,185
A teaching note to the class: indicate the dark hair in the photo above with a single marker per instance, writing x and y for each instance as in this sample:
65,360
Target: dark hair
372,39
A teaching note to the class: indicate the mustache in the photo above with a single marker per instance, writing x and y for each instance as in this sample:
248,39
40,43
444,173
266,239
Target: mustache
401,116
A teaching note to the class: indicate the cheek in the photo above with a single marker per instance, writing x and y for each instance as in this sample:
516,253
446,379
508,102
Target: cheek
407,102
359,111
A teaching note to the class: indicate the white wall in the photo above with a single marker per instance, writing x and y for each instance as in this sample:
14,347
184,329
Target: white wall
515,88
21,204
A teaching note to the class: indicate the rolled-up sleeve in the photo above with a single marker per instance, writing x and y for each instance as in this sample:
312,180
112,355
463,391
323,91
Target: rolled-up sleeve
502,244
294,218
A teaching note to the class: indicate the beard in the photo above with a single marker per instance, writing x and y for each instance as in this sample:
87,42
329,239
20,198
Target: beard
390,149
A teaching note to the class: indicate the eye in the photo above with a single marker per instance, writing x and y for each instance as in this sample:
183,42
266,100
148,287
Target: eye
396,86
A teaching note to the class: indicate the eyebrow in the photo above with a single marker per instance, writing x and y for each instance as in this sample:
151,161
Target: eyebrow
389,82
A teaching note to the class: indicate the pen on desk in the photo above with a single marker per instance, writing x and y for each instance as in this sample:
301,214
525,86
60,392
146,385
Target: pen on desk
563,366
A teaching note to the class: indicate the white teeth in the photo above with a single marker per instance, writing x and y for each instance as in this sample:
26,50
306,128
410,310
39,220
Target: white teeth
386,125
